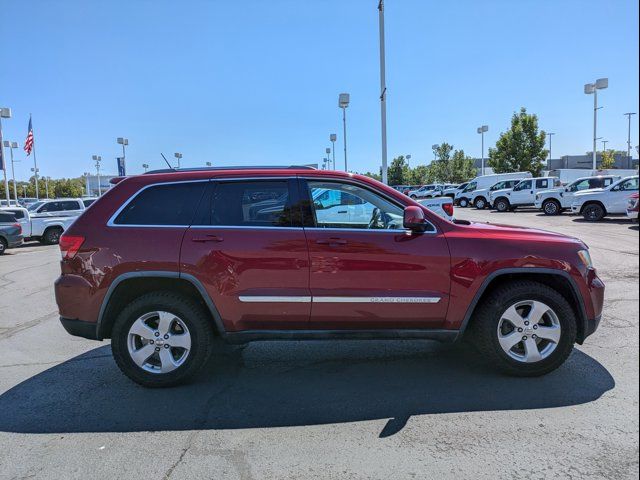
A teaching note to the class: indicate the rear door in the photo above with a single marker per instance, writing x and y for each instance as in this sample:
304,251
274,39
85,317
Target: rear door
371,273
248,249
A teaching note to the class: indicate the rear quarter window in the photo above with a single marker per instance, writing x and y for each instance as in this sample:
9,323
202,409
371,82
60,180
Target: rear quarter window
6,217
163,205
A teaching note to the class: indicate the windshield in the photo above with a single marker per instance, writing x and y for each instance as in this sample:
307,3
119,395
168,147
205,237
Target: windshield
34,206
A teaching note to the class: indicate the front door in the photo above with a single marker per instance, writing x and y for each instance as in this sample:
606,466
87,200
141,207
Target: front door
368,272
619,195
247,247
522,193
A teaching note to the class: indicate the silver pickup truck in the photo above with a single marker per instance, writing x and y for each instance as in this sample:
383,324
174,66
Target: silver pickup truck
44,228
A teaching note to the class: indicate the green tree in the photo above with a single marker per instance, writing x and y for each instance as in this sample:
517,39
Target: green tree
420,175
521,148
398,172
608,159
462,168
66,187
450,166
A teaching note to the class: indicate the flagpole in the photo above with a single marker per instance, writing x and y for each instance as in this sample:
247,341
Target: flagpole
35,164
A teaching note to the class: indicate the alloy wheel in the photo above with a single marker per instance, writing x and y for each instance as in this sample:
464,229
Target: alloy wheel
551,208
159,342
529,331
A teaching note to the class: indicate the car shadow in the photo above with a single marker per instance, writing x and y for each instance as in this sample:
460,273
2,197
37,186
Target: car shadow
278,384
606,220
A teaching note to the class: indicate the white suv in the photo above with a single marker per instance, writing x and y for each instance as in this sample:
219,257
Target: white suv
594,205
523,194
480,198
554,202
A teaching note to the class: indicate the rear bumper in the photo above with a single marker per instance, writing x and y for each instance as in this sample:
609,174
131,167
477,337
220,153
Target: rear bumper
632,214
79,328
590,327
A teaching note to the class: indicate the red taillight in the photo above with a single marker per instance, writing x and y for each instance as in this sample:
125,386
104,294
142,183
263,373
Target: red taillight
448,209
19,227
69,246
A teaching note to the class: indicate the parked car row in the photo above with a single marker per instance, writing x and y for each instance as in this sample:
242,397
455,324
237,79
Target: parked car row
42,220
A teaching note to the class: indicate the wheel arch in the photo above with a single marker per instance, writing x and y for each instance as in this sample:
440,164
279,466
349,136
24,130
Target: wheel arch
593,202
131,285
560,280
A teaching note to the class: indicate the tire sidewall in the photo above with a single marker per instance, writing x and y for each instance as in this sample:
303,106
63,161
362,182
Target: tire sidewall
593,207
146,304
480,203
3,246
502,205
556,207
464,203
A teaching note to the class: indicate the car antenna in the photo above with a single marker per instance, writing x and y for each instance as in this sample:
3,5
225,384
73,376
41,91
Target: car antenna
167,161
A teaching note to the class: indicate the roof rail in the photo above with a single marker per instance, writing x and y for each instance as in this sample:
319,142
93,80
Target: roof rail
242,167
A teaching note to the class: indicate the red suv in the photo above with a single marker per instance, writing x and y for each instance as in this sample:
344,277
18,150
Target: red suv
166,261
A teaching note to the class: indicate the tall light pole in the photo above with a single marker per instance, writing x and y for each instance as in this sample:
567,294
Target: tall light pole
86,183
604,145
208,164
124,142
343,103
36,171
435,147
481,131
408,157
98,159
145,166
328,152
629,115
11,146
178,156
332,138
592,88
550,134
46,186
4,113
383,92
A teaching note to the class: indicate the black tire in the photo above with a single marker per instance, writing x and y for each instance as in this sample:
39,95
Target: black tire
3,246
502,205
52,236
414,196
464,202
551,207
194,317
480,203
593,212
484,327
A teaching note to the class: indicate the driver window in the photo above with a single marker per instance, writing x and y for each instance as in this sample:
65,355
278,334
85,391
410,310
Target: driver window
630,185
583,185
523,185
341,205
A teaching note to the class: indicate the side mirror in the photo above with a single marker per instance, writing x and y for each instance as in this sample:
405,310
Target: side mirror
414,219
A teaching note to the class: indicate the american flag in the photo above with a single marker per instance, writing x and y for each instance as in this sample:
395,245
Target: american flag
28,143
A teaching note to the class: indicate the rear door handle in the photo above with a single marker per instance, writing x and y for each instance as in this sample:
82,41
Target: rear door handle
342,211
207,238
331,241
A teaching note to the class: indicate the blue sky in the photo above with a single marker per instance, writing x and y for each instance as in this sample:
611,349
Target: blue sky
256,82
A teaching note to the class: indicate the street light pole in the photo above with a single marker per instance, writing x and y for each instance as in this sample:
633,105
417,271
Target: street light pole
11,146
343,103
145,166
46,186
604,145
332,138
481,131
178,156
124,142
550,134
328,152
592,88
435,147
4,113
98,159
383,92
629,115
86,183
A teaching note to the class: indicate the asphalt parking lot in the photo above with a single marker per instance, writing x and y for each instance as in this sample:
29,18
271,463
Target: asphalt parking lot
291,410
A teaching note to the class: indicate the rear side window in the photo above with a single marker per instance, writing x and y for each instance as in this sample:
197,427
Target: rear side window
19,214
173,204
6,217
69,205
543,183
253,204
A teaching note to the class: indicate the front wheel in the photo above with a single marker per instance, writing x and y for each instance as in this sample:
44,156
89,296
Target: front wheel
161,339
3,246
414,196
502,205
593,213
525,329
551,207
464,203
480,203
52,236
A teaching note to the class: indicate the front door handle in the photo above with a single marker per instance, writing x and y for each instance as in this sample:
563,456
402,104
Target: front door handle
331,241
207,238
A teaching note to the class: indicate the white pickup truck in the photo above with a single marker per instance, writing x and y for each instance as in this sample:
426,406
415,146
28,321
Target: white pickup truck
594,205
442,206
523,194
557,200
44,228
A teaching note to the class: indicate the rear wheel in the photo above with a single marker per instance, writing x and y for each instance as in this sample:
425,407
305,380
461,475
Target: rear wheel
480,203
593,212
551,207
502,205
161,339
414,196
464,202
52,236
524,328
3,246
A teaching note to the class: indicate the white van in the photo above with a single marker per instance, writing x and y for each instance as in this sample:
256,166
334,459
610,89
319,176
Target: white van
463,197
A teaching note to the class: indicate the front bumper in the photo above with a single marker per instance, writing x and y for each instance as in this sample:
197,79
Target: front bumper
632,214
